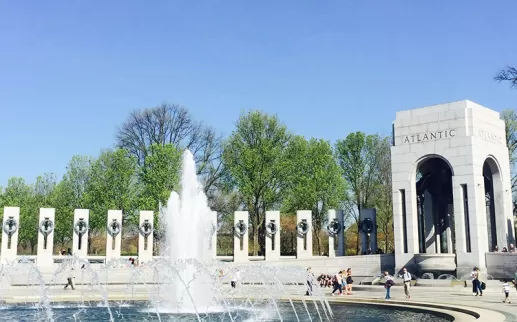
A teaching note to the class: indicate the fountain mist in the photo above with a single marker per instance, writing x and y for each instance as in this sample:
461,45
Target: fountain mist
187,223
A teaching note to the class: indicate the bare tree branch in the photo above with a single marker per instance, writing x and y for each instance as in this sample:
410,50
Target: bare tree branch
508,74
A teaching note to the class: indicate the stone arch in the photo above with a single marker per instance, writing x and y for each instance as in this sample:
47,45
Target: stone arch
494,203
432,180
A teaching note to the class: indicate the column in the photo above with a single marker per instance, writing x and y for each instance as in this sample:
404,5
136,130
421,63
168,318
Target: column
145,236
80,235
46,237
240,237
272,235
341,235
304,234
113,235
11,226
333,230
213,241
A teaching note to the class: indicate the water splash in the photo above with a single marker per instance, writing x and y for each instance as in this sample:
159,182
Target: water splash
187,223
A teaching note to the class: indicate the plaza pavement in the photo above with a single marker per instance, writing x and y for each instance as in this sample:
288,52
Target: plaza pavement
490,305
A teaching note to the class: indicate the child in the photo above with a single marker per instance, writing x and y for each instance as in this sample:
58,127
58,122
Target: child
506,291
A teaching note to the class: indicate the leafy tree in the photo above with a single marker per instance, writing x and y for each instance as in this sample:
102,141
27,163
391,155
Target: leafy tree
172,124
255,158
159,175
315,181
383,199
359,156
111,185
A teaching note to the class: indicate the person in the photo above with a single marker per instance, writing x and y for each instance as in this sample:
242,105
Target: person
407,282
476,284
349,281
506,291
337,284
310,281
388,283
70,279
235,279
496,249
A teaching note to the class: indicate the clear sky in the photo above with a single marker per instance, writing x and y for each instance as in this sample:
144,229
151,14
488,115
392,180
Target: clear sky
71,71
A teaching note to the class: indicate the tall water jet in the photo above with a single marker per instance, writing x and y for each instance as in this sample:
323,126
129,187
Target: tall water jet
188,233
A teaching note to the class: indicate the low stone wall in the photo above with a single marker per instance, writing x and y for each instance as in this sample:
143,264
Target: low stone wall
501,265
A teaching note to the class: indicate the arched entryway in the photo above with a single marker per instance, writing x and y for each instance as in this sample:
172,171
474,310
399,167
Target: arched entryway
494,204
435,206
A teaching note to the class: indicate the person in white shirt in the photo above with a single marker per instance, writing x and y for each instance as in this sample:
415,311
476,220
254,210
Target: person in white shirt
506,291
407,282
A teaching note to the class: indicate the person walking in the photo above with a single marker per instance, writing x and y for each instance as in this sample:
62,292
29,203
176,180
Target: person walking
349,281
407,282
70,279
506,291
476,284
388,283
337,284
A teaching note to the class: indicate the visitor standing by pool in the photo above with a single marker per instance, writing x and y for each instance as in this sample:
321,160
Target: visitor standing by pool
70,279
506,291
476,284
310,281
349,281
388,283
407,282
235,279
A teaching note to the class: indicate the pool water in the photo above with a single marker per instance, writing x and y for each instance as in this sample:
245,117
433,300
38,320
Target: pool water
264,312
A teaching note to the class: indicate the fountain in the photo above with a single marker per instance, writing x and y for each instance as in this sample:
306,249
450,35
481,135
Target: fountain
187,218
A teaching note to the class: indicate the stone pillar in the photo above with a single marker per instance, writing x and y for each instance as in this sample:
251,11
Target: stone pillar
113,237
304,234
213,241
335,230
272,235
368,239
478,228
46,237
145,236
240,236
11,226
81,227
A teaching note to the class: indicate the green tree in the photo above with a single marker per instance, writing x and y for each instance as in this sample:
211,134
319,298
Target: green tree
359,156
111,185
19,194
69,195
315,181
159,175
383,198
255,158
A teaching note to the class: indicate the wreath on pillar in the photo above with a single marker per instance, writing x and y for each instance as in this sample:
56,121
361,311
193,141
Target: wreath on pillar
10,226
303,227
334,227
81,226
240,228
271,228
146,228
367,226
114,228
46,226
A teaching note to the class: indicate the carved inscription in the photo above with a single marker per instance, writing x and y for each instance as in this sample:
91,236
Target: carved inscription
491,137
429,136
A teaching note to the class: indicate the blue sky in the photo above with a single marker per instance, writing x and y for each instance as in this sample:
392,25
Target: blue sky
71,71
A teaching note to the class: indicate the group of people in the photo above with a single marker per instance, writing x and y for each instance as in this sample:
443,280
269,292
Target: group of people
511,249
342,282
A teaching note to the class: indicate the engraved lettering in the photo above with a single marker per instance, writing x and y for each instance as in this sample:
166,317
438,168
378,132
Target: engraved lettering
429,136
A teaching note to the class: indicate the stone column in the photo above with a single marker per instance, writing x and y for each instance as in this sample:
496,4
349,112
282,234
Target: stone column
334,230
304,234
369,214
213,241
145,236
11,226
240,237
114,232
46,237
81,227
459,215
272,235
